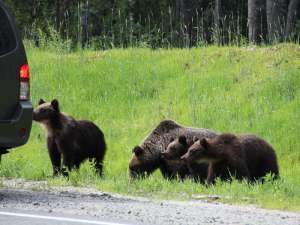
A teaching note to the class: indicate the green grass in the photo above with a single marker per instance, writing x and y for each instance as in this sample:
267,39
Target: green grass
128,91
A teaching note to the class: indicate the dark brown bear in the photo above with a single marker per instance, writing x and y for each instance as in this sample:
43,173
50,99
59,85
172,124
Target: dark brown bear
176,149
73,140
243,157
171,157
146,157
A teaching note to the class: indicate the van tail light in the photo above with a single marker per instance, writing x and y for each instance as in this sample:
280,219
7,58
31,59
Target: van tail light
24,83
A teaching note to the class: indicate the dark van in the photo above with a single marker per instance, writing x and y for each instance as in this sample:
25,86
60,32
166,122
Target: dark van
15,106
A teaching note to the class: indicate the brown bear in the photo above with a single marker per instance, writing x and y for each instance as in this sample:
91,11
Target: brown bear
73,140
146,157
171,160
243,157
176,149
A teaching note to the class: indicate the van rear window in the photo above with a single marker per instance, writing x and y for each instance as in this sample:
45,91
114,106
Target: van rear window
7,37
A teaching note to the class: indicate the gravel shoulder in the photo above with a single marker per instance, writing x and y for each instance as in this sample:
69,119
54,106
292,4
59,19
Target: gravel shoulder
37,197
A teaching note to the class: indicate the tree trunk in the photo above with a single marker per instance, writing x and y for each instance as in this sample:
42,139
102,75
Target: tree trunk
185,12
293,12
33,21
84,24
57,12
276,17
217,21
180,21
257,21
64,17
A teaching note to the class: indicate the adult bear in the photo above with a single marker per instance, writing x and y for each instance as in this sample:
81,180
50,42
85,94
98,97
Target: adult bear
146,157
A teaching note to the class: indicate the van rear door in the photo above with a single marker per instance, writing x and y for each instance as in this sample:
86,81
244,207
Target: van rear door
12,56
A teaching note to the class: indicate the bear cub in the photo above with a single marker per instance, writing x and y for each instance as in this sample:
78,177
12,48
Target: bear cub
171,157
176,149
69,140
243,157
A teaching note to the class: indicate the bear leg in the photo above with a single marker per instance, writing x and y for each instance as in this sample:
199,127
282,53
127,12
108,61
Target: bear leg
68,162
99,167
210,174
54,155
241,171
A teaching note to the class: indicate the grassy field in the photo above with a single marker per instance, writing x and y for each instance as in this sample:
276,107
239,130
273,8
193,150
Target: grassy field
128,91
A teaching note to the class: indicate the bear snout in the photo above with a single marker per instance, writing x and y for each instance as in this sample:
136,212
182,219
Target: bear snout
34,116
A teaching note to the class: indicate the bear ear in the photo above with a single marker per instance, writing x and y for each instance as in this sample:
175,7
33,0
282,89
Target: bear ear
41,101
195,139
137,150
182,140
55,104
204,143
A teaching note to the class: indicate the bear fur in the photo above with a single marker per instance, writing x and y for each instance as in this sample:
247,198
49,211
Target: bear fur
243,157
176,149
146,157
70,139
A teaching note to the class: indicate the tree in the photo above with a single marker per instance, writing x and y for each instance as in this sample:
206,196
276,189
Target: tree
256,21
293,13
276,17
182,20
218,19
158,23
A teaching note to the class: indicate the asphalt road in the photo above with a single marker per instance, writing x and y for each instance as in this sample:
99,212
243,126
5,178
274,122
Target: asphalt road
86,206
17,217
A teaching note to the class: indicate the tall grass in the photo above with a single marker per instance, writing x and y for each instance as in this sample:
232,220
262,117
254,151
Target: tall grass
127,92
155,26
